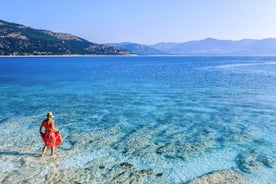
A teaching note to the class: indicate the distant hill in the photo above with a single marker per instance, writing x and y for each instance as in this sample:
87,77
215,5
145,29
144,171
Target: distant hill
211,46
138,49
16,39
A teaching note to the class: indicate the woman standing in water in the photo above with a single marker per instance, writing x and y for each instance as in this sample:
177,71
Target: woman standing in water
51,136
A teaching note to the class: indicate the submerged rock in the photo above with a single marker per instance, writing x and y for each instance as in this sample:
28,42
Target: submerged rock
71,175
220,177
251,161
126,173
119,173
159,174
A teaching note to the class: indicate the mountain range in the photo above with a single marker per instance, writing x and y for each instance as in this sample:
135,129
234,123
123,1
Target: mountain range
17,39
208,46
139,49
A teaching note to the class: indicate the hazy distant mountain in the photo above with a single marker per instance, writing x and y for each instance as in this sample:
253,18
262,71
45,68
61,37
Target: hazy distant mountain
138,49
212,46
209,46
16,39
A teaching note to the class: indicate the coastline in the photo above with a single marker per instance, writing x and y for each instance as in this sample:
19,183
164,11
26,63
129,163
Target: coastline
69,55
127,55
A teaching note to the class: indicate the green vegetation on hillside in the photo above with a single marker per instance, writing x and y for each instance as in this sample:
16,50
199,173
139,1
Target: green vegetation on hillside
16,39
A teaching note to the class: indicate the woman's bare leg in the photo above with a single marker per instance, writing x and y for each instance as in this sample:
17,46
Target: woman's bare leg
44,151
52,151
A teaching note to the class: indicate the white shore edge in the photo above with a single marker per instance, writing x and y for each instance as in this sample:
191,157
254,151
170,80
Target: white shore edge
10,56
128,55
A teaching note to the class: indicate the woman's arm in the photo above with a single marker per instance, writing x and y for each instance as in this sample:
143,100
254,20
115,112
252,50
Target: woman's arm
40,129
53,127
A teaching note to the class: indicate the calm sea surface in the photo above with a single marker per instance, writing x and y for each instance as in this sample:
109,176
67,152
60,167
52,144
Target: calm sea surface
139,119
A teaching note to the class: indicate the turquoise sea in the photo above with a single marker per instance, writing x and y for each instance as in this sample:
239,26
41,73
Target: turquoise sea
132,119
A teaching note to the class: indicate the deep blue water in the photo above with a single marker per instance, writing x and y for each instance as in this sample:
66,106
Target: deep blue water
179,116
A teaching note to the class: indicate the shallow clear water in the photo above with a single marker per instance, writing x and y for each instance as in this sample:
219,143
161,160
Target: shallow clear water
148,119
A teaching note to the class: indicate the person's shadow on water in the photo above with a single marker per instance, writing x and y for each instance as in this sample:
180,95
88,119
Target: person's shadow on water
16,153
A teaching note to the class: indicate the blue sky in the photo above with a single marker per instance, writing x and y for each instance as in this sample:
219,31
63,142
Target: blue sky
147,21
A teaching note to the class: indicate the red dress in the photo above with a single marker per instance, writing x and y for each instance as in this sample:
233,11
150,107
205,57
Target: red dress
51,138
